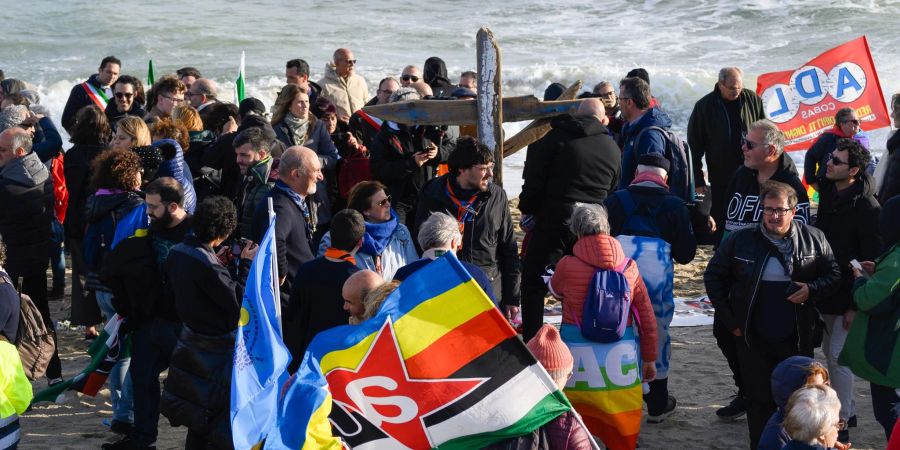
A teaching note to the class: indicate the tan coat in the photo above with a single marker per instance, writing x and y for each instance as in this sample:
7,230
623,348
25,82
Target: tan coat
348,95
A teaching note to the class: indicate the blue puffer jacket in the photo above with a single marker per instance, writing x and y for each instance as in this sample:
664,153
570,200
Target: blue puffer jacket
399,252
177,168
651,142
787,377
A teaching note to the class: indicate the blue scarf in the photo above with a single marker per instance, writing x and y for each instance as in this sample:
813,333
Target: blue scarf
378,235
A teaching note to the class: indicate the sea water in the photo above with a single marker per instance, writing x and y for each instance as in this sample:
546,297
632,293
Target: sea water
682,43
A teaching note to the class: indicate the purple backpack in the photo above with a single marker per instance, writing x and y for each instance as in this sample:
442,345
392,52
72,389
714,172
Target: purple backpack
607,306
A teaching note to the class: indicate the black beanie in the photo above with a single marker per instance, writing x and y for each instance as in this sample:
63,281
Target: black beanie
553,91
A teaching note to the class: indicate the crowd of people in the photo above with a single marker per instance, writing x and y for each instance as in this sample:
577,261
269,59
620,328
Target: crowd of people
361,203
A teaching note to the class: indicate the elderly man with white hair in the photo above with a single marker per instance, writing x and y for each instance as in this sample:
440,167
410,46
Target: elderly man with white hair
439,235
298,172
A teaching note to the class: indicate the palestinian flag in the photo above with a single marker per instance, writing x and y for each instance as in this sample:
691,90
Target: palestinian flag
438,366
104,352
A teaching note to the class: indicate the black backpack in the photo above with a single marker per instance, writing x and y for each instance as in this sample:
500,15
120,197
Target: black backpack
681,171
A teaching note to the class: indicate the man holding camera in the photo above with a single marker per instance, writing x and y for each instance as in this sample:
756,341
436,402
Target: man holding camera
765,282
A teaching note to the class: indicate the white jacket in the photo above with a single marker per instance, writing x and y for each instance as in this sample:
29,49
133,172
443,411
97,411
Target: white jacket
348,95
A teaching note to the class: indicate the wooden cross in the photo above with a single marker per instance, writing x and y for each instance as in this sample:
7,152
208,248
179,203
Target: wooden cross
489,110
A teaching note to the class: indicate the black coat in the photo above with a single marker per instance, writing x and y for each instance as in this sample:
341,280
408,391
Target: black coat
850,222
26,212
490,244
393,165
890,186
77,168
207,298
78,98
733,275
292,237
709,134
577,161
672,219
131,273
114,116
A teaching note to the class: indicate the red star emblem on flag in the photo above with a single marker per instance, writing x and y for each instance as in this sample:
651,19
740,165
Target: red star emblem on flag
380,389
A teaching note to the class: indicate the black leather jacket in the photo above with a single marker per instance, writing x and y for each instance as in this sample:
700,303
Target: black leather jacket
733,276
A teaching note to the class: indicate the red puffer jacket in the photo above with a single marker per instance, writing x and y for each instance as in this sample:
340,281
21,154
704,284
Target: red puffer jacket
573,275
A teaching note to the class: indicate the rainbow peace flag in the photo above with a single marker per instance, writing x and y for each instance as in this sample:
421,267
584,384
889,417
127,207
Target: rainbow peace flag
437,366
605,387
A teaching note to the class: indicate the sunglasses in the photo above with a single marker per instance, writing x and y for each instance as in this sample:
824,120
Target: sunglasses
853,121
124,95
837,161
385,201
412,78
352,62
751,145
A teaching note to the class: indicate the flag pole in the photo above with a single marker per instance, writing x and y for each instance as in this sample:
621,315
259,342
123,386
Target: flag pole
276,280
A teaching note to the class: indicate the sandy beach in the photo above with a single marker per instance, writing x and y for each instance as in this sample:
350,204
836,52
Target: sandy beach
699,378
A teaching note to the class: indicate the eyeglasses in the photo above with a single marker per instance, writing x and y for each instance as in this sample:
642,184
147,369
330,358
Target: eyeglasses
124,95
853,121
837,161
412,78
777,212
384,201
751,145
173,99
191,94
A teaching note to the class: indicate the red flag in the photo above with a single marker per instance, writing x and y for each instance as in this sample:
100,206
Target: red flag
803,102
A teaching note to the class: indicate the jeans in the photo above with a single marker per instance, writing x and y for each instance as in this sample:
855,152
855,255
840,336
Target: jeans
152,346
58,265
120,388
841,376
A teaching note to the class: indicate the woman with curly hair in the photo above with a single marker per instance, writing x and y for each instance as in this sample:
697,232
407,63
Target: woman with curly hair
117,179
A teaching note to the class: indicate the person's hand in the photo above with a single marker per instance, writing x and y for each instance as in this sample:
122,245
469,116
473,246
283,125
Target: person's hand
224,255
701,190
841,446
230,126
249,250
849,315
431,151
711,223
737,332
420,158
649,371
868,266
32,118
801,295
511,312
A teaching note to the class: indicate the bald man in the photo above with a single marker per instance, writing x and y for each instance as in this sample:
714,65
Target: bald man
355,290
577,161
298,173
346,89
202,93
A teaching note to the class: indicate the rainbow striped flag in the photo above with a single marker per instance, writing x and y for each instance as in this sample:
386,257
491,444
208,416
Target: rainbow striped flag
438,366
605,387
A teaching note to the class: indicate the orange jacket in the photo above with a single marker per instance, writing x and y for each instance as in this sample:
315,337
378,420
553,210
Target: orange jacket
573,275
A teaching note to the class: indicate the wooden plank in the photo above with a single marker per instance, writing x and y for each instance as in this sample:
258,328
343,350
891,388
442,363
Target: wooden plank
465,112
489,99
539,128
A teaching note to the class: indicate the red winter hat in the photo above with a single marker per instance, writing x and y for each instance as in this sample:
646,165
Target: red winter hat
550,350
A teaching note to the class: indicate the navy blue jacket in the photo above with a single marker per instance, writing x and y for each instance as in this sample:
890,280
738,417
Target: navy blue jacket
651,142
47,141
292,236
673,221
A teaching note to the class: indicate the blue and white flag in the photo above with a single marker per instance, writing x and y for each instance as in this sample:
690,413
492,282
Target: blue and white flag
260,356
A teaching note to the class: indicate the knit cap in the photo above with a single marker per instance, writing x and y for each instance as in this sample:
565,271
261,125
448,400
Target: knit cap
550,350
12,116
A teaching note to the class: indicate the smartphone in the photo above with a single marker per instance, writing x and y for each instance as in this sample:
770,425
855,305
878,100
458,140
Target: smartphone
238,247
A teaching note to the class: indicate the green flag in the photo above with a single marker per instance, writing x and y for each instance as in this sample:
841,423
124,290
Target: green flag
150,77
239,83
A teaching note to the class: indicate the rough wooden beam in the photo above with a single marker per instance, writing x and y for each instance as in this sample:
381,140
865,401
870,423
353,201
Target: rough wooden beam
539,128
465,112
489,99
